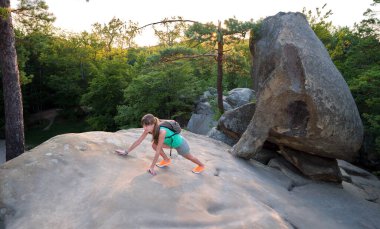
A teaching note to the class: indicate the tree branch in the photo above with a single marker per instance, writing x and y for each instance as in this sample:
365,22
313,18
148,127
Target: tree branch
167,21
187,57
20,10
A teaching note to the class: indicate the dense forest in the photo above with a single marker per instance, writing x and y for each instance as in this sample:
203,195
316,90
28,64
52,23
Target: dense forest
104,79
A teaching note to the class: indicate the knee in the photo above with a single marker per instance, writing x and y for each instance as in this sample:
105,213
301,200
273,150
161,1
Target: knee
154,146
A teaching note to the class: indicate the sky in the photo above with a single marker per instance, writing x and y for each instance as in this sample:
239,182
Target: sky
79,15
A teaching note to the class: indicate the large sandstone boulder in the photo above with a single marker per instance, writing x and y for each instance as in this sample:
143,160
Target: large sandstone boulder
303,102
77,181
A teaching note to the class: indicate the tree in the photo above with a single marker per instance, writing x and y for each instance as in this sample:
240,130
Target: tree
14,120
13,106
365,89
210,34
232,32
33,16
168,33
217,37
105,93
371,24
167,90
237,67
362,67
116,33
320,24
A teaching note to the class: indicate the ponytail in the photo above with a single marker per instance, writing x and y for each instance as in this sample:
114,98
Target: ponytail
156,130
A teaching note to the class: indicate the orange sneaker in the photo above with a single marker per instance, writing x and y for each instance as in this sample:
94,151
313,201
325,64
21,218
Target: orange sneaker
198,169
163,163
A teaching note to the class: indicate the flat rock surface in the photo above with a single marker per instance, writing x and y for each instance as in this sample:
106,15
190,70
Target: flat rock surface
77,181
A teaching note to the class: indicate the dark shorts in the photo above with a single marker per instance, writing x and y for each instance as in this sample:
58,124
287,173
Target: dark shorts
183,148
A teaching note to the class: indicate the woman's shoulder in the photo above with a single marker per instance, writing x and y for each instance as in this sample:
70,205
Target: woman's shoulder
163,129
166,120
167,130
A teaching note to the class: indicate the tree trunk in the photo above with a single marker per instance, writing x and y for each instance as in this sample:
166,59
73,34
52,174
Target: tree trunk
14,123
219,84
252,53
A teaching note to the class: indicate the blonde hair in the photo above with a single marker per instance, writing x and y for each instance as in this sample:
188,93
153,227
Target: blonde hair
149,119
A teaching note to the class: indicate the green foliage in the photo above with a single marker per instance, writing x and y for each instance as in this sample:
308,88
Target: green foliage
214,106
199,33
66,90
365,89
4,13
360,56
105,93
33,32
202,65
237,66
237,29
171,53
116,33
166,91
65,72
232,31
23,53
30,47
370,26
217,37
320,24
376,173
169,32
33,16
254,33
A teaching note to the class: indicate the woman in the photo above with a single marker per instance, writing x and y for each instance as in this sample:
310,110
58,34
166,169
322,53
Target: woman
161,140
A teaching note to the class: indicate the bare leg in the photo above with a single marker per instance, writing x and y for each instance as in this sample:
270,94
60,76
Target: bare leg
162,153
190,157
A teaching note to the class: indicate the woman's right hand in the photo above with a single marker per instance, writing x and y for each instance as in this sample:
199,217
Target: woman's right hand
151,171
122,152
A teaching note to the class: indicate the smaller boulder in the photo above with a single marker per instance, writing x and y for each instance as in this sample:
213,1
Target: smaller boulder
315,167
240,96
220,136
201,123
233,123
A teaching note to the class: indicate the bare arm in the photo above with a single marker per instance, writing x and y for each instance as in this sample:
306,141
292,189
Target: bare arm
160,143
138,141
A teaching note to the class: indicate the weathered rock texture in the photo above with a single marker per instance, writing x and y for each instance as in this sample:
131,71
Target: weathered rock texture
202,120
303,101
77,181
232,124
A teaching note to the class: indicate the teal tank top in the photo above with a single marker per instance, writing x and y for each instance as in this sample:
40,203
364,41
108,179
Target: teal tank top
174,141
